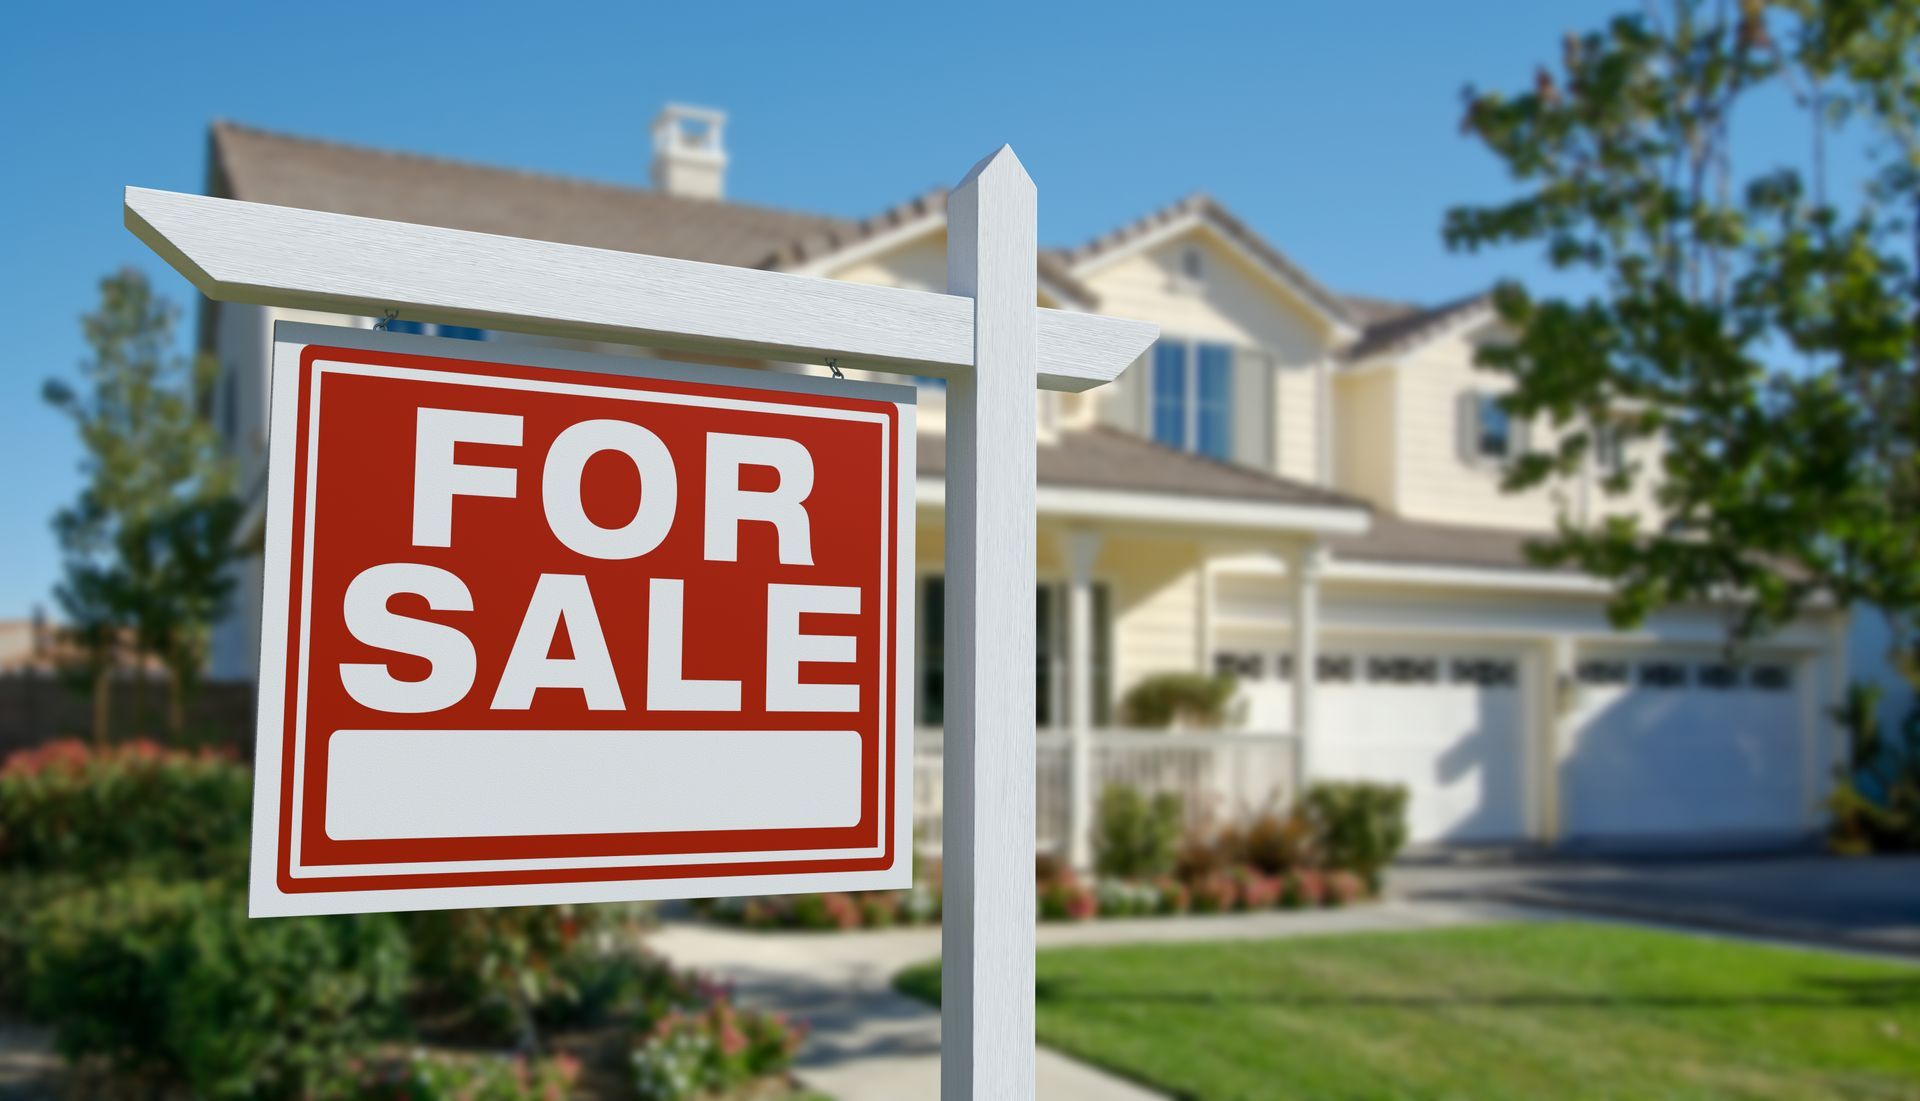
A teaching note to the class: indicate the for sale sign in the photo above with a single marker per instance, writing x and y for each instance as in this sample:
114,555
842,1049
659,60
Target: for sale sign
543,626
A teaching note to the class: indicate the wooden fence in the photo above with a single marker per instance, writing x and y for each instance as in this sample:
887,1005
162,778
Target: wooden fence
39,707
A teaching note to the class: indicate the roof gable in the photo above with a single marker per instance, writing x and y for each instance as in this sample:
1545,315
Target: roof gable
1197,210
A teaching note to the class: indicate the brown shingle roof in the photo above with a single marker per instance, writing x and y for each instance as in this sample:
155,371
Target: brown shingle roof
1105,458
319,175
1396,540
1391,330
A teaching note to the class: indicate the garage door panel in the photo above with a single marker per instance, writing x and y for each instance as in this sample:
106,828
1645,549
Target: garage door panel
1445,722
1697,750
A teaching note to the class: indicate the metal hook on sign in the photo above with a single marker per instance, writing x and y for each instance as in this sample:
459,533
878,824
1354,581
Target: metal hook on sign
834,366
381,325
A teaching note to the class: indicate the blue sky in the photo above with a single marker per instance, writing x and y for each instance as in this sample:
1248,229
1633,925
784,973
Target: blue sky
1331,128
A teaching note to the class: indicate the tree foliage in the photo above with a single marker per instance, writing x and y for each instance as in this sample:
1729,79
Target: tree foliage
147,544
1749,338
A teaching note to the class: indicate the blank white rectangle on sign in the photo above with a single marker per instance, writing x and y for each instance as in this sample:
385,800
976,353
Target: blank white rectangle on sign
389,784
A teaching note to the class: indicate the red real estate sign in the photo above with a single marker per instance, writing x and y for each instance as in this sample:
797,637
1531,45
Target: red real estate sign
543,627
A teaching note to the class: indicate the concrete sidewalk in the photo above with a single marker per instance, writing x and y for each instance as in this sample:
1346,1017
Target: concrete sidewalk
868,1043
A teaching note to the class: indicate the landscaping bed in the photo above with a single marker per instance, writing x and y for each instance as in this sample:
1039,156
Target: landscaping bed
1570,1011
1328,851
123,930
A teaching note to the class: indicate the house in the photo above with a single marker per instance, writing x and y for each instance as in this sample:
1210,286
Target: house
1296,485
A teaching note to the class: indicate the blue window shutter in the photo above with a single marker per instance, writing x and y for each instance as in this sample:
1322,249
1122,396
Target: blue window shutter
1170,393
462,332
417,328
1214,402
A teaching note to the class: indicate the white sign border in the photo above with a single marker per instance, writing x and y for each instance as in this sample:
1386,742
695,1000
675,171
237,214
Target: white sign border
266,899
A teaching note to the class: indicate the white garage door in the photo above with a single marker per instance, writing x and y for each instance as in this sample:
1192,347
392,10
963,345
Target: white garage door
1447,723
1683,745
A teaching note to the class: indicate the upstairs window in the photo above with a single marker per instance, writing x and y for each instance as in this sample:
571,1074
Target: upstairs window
1488,433
1191,397
1495,429
428,328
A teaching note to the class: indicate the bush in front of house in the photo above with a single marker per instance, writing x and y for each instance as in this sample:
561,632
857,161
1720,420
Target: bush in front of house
1185,699
711,1052
1361,825
172,982
67,807
503,967
1134,836
440,1076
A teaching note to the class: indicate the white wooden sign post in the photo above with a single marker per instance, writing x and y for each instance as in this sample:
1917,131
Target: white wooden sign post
985,336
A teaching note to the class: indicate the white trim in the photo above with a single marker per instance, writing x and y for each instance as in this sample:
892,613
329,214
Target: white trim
1469,577
827,265
1164,509
253,252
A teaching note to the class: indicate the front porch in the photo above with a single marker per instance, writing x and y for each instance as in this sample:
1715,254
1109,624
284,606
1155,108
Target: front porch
1127,533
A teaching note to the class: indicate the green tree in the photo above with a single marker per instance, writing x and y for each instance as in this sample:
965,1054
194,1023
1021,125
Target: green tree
148,542
1750,340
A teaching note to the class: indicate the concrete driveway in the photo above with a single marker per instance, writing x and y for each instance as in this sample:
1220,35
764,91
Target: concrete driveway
1866,903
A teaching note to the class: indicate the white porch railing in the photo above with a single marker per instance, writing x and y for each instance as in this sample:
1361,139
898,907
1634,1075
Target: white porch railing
1218,776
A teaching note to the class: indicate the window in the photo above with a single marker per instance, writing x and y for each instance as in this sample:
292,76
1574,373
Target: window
1662,674
1334,669
1191,392
1402,670
1170,393
1494,429
1718,674
1051,653
1485,672
1193,266
1772,678
1602,672
1609,451
1240,665
428,328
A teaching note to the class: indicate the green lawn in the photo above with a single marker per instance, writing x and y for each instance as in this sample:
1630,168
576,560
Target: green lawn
1536,1011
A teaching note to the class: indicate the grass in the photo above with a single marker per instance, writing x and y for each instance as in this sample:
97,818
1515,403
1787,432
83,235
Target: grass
1564,1011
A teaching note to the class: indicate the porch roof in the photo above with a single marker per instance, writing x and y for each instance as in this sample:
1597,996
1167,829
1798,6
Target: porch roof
1396,540
1107,476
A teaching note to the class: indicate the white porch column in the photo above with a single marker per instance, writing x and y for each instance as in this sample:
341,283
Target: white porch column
1083,549
1303,568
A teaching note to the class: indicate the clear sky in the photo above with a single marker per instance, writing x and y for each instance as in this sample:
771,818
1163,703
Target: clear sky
1333,129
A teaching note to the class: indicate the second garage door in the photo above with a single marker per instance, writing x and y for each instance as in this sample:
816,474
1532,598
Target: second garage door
1677,744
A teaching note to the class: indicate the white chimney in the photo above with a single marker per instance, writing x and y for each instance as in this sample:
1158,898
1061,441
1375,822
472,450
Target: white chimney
689,151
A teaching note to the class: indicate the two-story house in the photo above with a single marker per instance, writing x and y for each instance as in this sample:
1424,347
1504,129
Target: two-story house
1296,485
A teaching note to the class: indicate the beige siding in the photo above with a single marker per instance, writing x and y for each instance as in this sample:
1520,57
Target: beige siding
1296,416
1155,588
1433,481
1364,436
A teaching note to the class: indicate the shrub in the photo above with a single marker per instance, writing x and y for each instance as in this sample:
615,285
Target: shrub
174,984
1215,894
502,964
833,910
1190,699
721,1048
1174,896
1136,837
441,1077
1303,887
1875,802
1276,843
1256,891
1343,888
1202,855
879,909
1066,898
67,807
1362,825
